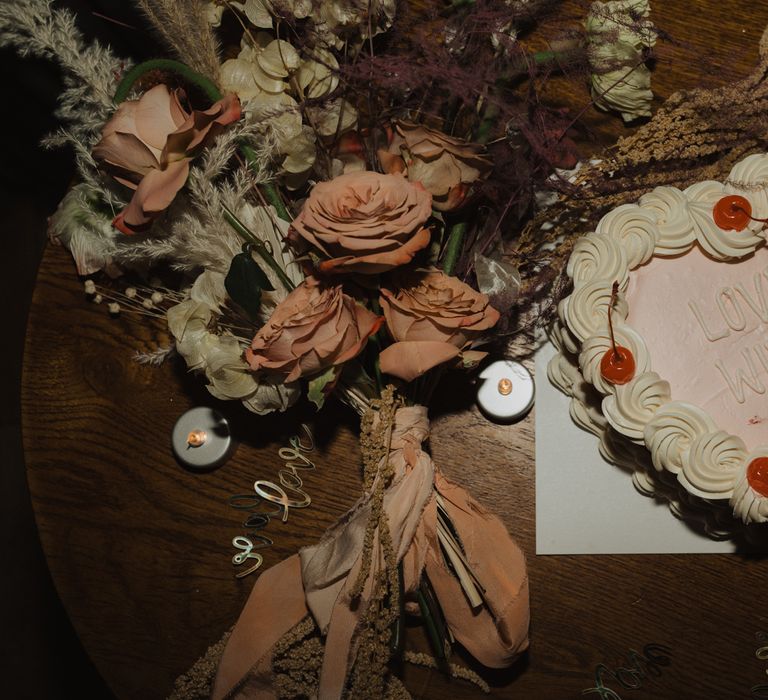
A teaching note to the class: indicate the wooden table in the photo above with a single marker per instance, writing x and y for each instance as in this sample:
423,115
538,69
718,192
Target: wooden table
140,549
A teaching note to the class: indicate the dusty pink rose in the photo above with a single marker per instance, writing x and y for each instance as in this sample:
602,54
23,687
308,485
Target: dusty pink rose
433,318
315,327
148,144
364,222
444,165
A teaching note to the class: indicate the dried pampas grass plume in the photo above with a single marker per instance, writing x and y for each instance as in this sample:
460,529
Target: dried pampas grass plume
184,27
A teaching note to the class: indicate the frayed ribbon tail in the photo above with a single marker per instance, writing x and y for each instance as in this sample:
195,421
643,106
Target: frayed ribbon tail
421,522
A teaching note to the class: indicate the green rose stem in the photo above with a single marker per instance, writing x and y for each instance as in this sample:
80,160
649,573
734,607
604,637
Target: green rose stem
375,341
432,616
453,247
397,628
169,65
247,235
270,191
490,117
214,94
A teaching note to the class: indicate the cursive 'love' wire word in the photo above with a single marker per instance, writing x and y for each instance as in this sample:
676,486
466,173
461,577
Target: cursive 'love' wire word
630,677
278,494
760,691
295,461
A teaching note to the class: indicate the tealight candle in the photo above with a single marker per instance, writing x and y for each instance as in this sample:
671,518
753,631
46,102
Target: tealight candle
506,391
201,438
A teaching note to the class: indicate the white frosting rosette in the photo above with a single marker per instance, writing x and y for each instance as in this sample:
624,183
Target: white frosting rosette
586,312
669,434
680,438
676,233
634,229
617,451
711,463
563,374
585,409
644,483
567,341
587,418
598,256
634,404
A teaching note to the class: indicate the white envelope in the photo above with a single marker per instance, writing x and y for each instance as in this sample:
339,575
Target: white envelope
584,505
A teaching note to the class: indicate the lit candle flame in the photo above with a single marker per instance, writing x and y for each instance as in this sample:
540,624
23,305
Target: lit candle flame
196,438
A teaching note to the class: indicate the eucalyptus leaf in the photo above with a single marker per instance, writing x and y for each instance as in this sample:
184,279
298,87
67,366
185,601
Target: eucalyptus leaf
322,385
245,281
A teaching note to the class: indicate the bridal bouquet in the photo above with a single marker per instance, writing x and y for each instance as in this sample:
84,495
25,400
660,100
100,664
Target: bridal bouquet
338,193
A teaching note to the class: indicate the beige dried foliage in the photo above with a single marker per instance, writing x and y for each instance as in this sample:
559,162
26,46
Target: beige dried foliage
184,27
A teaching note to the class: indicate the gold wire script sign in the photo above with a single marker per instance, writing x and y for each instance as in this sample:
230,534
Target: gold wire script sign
288,493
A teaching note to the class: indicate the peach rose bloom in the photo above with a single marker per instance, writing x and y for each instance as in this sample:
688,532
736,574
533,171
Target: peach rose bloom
315,327
444,165
364,222
433,318
148,144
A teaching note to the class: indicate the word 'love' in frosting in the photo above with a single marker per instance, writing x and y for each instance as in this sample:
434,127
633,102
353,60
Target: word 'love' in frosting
738,308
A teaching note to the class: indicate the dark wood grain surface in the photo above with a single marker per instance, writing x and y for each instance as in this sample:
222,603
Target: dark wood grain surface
140,551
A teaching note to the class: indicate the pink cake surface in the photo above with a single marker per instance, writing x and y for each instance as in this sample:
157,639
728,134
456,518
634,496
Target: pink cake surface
705,324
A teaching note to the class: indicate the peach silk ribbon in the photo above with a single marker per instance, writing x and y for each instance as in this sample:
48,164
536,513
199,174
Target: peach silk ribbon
320,578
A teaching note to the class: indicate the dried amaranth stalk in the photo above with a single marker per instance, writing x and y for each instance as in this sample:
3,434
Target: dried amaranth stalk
197,683
297,660
467,674
370,676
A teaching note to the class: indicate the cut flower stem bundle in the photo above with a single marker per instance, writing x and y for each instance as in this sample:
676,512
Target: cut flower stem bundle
454,554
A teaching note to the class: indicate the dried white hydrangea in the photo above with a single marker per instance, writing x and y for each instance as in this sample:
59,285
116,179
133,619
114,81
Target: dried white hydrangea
618,33
219,355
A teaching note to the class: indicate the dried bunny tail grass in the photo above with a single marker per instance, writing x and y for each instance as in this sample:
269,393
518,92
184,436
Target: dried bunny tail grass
216,159
193,233
155,358
145,252
696,135
99,188
90,72
184,27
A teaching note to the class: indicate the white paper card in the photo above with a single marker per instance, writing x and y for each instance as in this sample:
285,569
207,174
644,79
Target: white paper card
585,505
